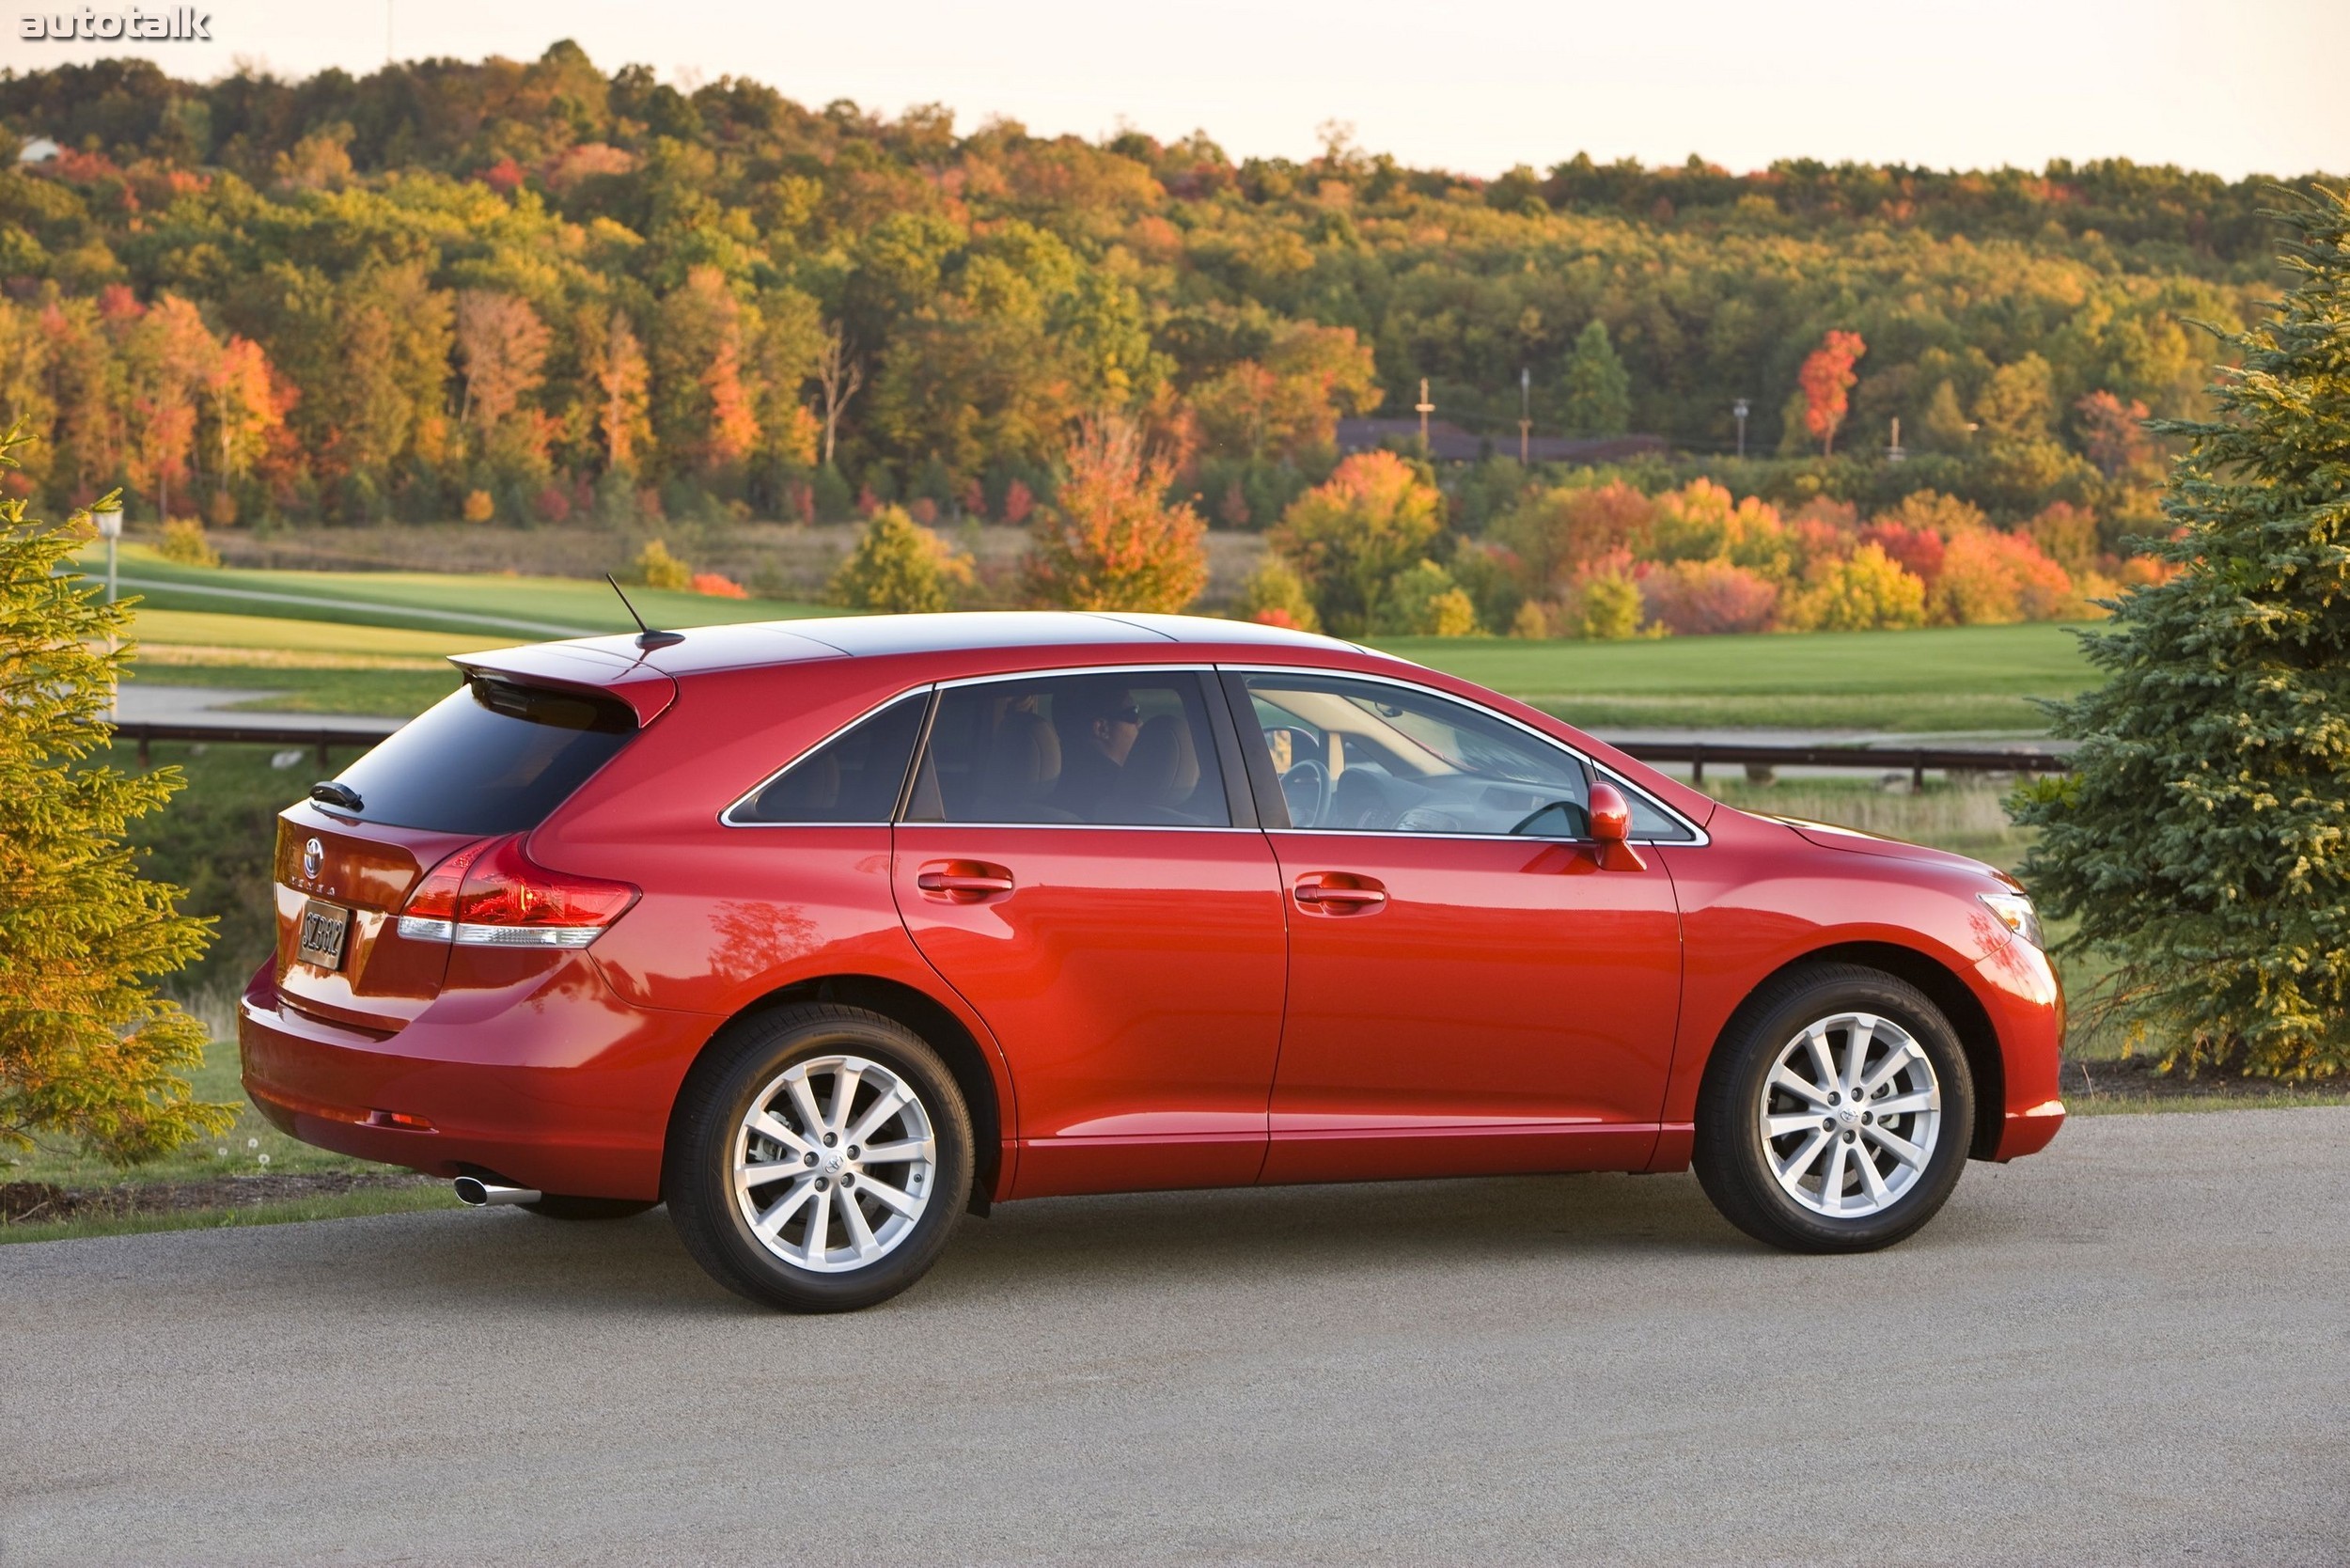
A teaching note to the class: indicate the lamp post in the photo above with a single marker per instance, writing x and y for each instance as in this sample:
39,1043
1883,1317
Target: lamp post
109,520
1425,408
1739,412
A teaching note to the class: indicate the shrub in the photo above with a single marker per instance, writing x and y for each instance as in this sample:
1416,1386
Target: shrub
478,508
1425,602
717,585
1350,536
656,567
1607,605
1531,622
899,568
1275,595
1993,579
1707,598
1867,590
183,544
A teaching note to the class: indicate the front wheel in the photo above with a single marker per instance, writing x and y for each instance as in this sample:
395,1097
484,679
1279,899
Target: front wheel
819,1158
1837,1116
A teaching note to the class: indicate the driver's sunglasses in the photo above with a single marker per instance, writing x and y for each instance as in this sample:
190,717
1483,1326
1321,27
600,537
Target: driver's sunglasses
1128,714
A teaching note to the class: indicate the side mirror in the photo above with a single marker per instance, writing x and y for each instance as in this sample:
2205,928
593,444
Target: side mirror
1611,830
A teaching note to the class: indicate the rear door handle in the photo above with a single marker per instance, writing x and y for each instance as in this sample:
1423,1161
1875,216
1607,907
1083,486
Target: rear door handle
964,881
1358,893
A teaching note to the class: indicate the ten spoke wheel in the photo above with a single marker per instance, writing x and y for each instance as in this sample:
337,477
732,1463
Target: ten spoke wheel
835,1163
1837,1112
1851,1112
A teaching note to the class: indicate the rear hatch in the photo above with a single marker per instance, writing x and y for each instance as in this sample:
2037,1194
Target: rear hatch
413,853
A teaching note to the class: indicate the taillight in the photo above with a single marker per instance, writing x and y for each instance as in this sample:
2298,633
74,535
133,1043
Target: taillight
490,895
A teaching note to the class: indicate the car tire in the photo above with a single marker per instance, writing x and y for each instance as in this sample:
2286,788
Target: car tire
795,1201
1779,1122
561,1206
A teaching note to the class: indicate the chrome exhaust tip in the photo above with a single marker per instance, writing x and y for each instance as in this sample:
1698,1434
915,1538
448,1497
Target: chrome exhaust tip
481,1192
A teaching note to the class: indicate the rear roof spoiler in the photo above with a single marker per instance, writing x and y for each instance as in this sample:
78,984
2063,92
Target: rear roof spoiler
571,666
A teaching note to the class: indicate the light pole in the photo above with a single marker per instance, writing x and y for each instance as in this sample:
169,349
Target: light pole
109,520
1739,412
1525,414
1425,408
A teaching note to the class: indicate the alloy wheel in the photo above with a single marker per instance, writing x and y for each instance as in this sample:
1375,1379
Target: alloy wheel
1851,1114
835,1163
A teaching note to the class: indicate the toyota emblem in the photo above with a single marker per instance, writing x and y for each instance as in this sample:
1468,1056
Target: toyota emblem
313,856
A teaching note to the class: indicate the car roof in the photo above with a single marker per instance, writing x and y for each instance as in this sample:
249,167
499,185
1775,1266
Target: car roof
751,644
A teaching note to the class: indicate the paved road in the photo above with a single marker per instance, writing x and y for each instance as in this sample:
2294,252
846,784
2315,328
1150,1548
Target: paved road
2135,1349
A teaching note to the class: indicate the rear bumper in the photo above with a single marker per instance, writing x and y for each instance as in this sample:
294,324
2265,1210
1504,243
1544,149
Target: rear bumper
2018,988
552,1084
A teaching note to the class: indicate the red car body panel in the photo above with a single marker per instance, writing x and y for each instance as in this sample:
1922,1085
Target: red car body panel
1149,1007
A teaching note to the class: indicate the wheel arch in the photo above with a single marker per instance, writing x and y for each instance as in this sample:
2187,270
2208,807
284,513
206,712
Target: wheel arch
1943,987
940,1029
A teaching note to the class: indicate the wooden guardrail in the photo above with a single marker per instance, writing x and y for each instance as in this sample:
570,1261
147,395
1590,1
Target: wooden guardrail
1918,761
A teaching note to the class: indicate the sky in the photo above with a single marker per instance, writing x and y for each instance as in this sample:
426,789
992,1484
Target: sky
2234,86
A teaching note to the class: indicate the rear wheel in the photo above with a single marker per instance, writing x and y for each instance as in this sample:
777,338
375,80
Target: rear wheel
1837,1116
819,1158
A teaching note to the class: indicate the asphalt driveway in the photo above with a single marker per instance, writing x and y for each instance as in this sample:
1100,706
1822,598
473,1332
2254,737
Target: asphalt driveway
2134,1349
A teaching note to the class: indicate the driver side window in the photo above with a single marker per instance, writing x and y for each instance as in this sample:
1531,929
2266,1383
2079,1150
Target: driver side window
1365,757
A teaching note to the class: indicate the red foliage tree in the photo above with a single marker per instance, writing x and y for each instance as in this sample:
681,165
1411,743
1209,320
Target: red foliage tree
1826,378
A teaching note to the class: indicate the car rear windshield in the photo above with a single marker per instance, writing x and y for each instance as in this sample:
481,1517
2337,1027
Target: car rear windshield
494,757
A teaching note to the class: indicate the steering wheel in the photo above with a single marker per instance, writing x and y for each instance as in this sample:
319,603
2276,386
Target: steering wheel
1305,787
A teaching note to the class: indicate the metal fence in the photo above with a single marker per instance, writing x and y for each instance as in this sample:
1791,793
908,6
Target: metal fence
324,740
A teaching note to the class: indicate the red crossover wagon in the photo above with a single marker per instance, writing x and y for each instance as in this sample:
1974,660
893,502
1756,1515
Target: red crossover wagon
826,932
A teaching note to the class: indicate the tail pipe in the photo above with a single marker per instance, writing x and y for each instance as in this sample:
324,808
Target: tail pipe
483,1192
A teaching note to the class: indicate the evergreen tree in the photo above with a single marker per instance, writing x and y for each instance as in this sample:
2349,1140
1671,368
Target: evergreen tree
1599,389
87,1049
2204,838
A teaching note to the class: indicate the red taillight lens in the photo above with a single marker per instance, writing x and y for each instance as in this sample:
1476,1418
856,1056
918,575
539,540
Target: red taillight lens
503,898
435,897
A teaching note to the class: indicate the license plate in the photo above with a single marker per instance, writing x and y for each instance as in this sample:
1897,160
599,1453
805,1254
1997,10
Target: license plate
323,928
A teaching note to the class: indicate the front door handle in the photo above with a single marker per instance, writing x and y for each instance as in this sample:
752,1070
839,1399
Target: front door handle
1356,895
963,881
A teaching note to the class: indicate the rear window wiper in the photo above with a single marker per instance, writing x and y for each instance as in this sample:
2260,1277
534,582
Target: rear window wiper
335,792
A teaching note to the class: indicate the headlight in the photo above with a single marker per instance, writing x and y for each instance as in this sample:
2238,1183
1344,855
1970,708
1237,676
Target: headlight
2015,913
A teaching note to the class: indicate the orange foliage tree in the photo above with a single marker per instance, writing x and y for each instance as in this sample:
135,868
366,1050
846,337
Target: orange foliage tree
1111,540
1826,378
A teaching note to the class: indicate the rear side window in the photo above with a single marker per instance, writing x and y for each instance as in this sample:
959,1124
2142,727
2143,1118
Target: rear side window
494,757
1130,749
852,777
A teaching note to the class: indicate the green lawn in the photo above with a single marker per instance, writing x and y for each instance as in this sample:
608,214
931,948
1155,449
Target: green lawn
501,609
302,689
1956,678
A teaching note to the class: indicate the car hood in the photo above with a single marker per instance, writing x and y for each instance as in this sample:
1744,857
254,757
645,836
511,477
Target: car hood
1852,842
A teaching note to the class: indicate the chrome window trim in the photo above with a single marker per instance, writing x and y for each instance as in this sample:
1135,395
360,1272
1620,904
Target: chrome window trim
1698,837
725,818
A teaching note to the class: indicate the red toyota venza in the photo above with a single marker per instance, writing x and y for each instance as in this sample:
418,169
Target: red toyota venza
825,933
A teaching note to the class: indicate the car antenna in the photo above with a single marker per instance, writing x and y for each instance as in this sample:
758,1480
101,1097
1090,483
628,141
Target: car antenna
645,636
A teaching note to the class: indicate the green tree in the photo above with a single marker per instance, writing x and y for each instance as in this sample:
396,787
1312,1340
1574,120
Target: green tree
1350,536
899,568
1607,607
87,1050
2203,839
1276,595
1598,387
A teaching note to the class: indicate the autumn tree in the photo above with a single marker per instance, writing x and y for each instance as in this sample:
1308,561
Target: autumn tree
1111,540
2202,837
899,568
1286,401
1825,379
616,365
1598,387
246,407
1352,535
87,1050
502,346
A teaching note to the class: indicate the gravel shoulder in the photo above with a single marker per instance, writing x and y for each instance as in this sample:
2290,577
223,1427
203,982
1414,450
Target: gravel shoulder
2133,1349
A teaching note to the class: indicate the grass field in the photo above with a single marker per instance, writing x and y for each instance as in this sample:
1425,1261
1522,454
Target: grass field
1940,678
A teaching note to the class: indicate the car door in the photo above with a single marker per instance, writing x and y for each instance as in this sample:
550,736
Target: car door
1470,989
1078,858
